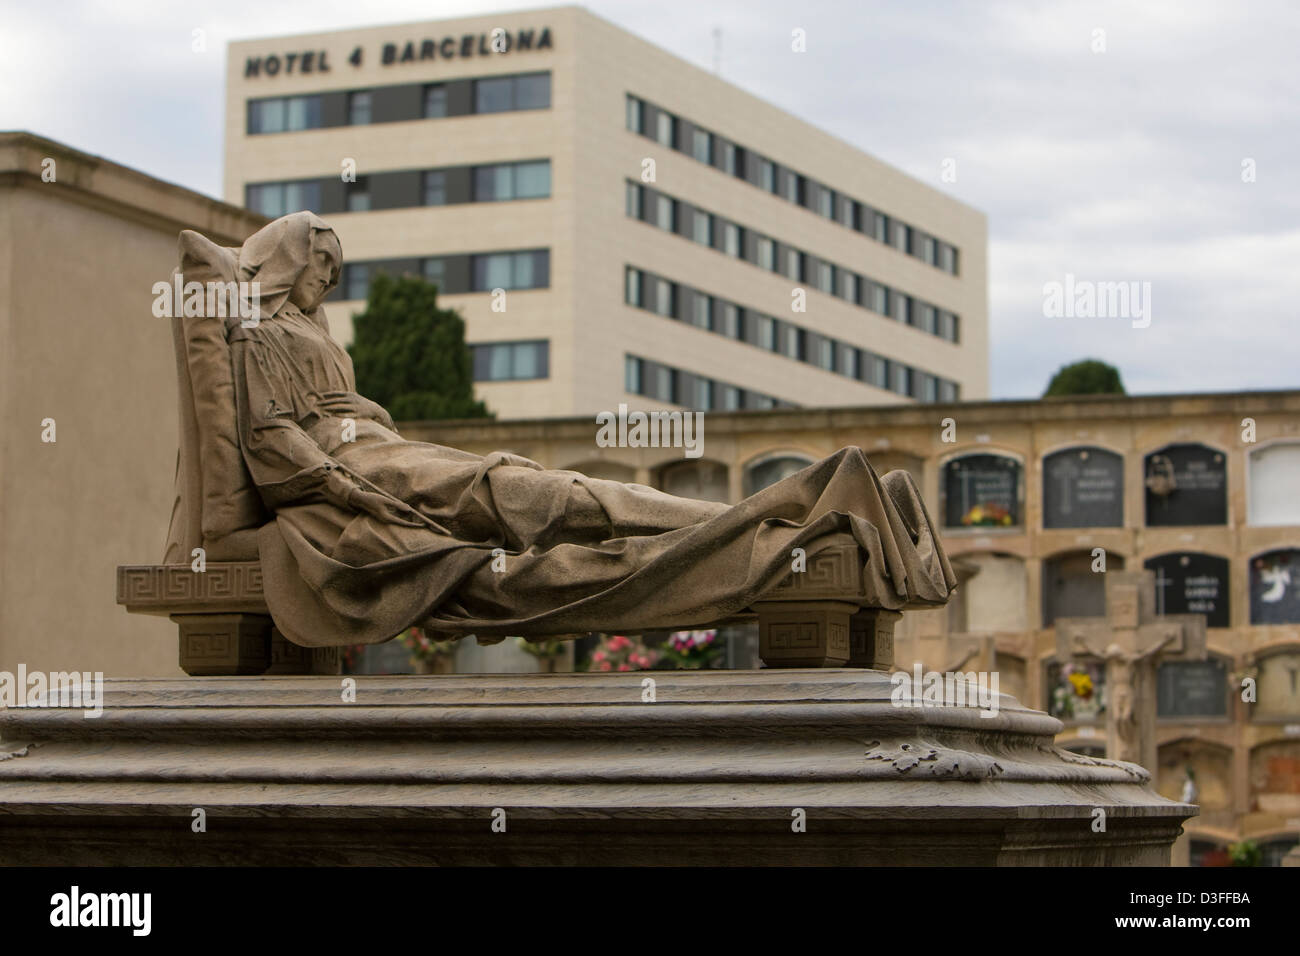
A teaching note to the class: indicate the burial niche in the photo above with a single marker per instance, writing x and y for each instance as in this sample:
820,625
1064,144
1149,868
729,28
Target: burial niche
1192,688
1277,690
994,599
1083,488
1275,587
1208,766
1186,484
771,469
1275,778
1076,689
1071,586
982,491
1272,493
703,479
1188,582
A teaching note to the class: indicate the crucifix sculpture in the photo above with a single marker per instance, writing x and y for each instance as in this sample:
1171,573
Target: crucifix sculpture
1132,639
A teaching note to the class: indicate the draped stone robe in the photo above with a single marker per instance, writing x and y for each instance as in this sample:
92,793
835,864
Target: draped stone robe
572,553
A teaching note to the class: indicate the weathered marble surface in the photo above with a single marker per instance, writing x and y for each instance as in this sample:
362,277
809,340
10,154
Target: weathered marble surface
586,772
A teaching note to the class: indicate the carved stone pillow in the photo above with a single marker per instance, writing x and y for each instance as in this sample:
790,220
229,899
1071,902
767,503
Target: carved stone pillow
230,509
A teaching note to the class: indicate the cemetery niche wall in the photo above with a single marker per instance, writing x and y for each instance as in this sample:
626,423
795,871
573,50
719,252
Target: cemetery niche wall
1192,689
1186,484
1083,487
982,490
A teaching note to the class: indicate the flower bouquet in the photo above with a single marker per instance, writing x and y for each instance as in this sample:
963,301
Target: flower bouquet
693,650
617,652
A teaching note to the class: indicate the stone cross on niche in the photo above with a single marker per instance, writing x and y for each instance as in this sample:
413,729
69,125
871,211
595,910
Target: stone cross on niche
1132,639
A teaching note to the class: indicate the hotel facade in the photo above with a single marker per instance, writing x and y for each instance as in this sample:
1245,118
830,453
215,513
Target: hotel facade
614,224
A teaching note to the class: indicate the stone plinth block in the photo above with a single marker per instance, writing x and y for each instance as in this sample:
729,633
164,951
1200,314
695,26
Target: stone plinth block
807,767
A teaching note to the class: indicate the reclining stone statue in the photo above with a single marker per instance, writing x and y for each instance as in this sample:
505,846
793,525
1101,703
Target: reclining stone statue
316,516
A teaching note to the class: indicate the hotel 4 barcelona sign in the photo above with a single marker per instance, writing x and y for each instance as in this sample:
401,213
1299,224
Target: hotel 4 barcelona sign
462,47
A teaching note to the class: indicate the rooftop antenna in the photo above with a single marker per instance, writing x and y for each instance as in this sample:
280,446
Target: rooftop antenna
717,50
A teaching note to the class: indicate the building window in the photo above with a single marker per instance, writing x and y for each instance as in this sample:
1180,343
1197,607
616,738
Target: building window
729,158
435,187
793,264
766,253
767,333
280,199
826,202
665,129
791,186
731,239
435,101
901,310
791,341
632,290
701,397
282,114
357,281
729,320
701,311
848,286
879,299
434,270
702,146
663,212
947,390
928,251
901,236
635,114
729,398
661,298
510,361
702,228
632,375
766,176
358,194
512,181
498,94
634,200
359,108
826,354
826,277
850,361
902,379
947,258
511,270
882,227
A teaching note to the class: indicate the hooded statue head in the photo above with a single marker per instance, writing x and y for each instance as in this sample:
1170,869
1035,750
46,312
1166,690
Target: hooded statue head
295,259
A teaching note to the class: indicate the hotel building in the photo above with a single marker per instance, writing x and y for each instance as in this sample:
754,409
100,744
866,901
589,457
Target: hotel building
614,224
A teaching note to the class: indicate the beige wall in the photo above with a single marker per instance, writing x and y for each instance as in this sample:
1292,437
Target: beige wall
594,65
79,344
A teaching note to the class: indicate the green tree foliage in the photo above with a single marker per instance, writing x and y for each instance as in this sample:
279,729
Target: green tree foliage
410,356
1086,377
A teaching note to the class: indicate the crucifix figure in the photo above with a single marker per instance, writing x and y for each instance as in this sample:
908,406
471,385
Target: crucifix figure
1132,639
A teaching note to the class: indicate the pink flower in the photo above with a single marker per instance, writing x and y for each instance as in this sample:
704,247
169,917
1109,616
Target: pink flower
625,667
598,656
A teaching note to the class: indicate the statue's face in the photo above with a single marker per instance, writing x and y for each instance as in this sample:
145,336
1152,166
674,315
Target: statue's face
323,264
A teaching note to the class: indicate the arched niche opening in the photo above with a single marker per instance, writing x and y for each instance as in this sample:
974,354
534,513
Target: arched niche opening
1073,588
699,478
768,470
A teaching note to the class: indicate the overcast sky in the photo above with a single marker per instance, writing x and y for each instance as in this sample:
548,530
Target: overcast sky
1122,165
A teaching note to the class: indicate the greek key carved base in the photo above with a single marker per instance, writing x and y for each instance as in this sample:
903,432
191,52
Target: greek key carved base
871,638
288,658
222,645
804,633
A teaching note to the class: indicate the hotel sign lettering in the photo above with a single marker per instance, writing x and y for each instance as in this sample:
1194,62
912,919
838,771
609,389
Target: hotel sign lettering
492,43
